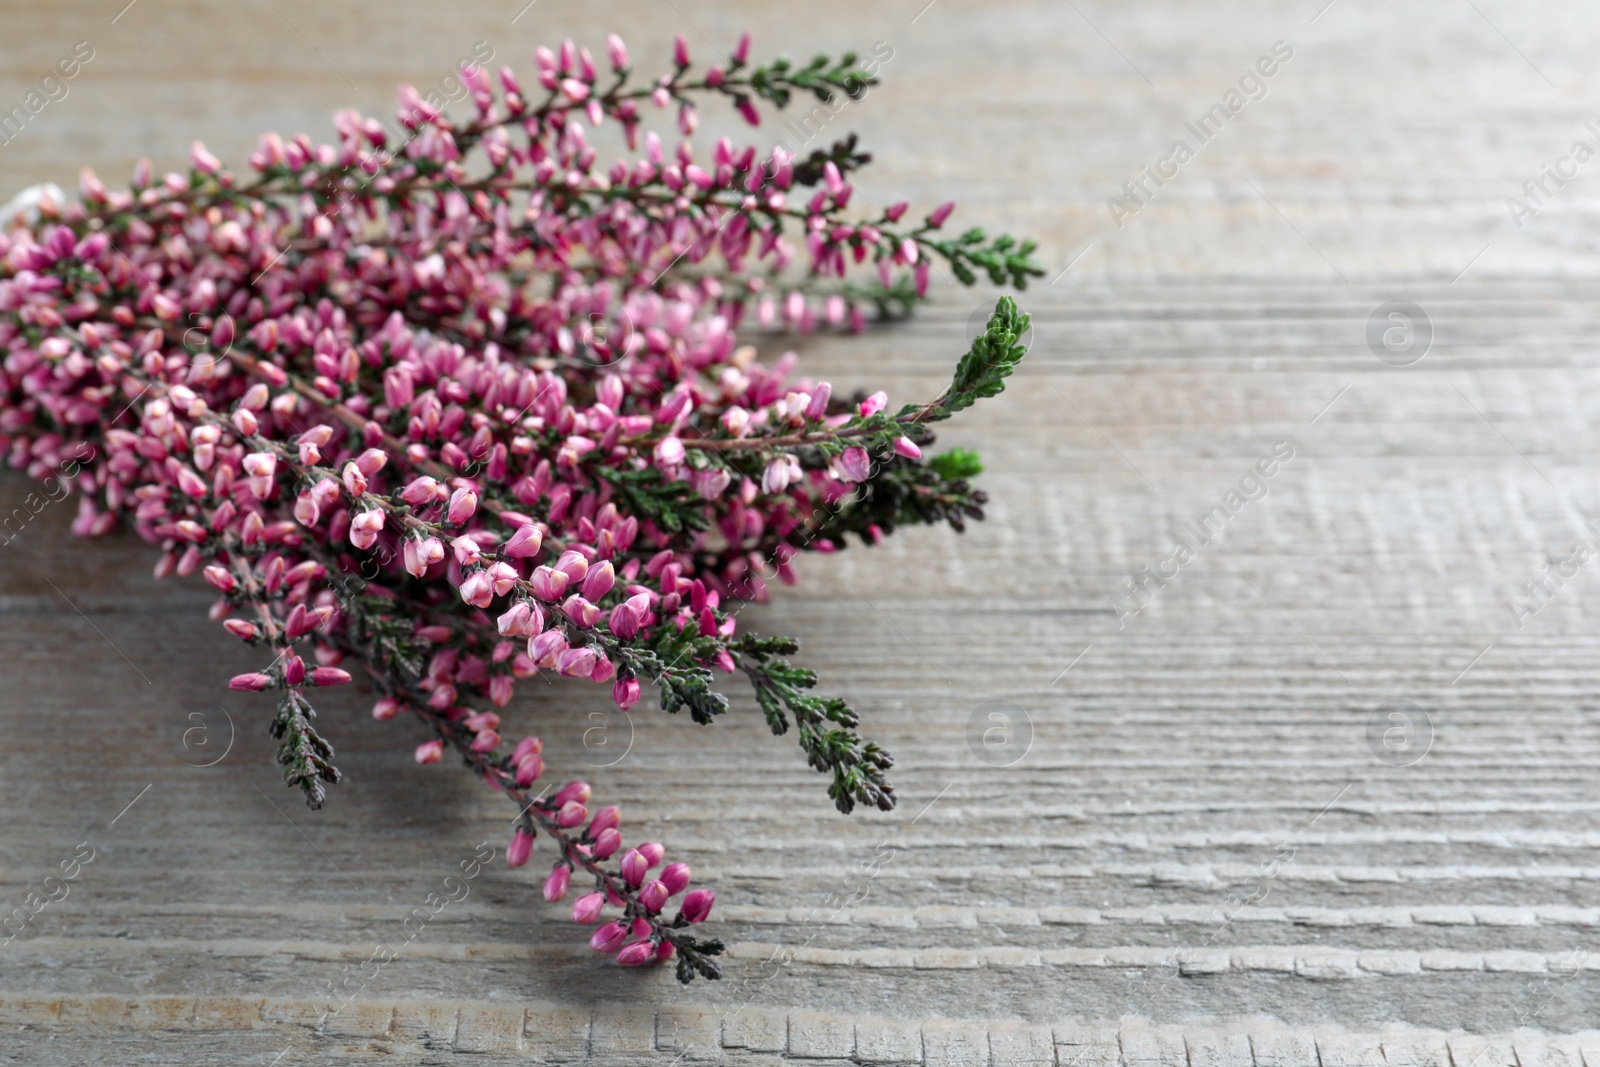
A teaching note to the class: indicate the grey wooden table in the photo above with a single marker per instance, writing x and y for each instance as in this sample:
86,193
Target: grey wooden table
1202,836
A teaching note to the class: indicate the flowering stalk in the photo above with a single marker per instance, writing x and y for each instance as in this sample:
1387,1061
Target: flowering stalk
454,404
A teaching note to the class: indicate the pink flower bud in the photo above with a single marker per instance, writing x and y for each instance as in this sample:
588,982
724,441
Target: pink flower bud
940,213
653,896
529,768
617,52
477,589
586,909
330,676
527,541
598,581
245,631
819,401
609,938
853,464
250,683
487,741
697,905
364,528
577,790
463,504
576,662
573,565
676,877
547,583
260,464
634,867
555,887
680,51
520,849
386,709
220,578
636,953
625,691
653,852
571,814
906,447
419,491
430,751
294,671
606,843
873,404
606,818
514,623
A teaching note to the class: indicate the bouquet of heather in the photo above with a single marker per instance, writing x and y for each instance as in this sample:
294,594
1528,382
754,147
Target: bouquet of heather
448,403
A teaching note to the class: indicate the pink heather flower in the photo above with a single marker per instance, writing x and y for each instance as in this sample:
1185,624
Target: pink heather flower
419,555
487,741
670,453
780,474
617,52
466,551
250,683
529,768
606,818
571,814
576,662
463,505
546,649
625,691
873,404
527,541
598,581
609,938
385,709
586,909
940,213
329,676
504,576
220,578
634,867
573,565
653,852
636,953
654,896
697,905
853,464
430,751
419,491
477,589
606,843
203,161
520,849
675,877
580,611
294,671
555,887
364,528
245,631
547,583
906,447
355,483
514,622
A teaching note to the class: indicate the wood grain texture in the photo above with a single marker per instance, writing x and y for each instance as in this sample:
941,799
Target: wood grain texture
1081,903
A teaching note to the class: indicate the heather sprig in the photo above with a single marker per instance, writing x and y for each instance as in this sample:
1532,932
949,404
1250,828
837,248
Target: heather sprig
451,403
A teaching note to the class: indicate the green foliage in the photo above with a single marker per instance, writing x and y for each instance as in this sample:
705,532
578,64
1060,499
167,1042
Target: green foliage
1006,260
822,77
994,354
695,957
957,463
825,724
842,155
672,506
305,756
